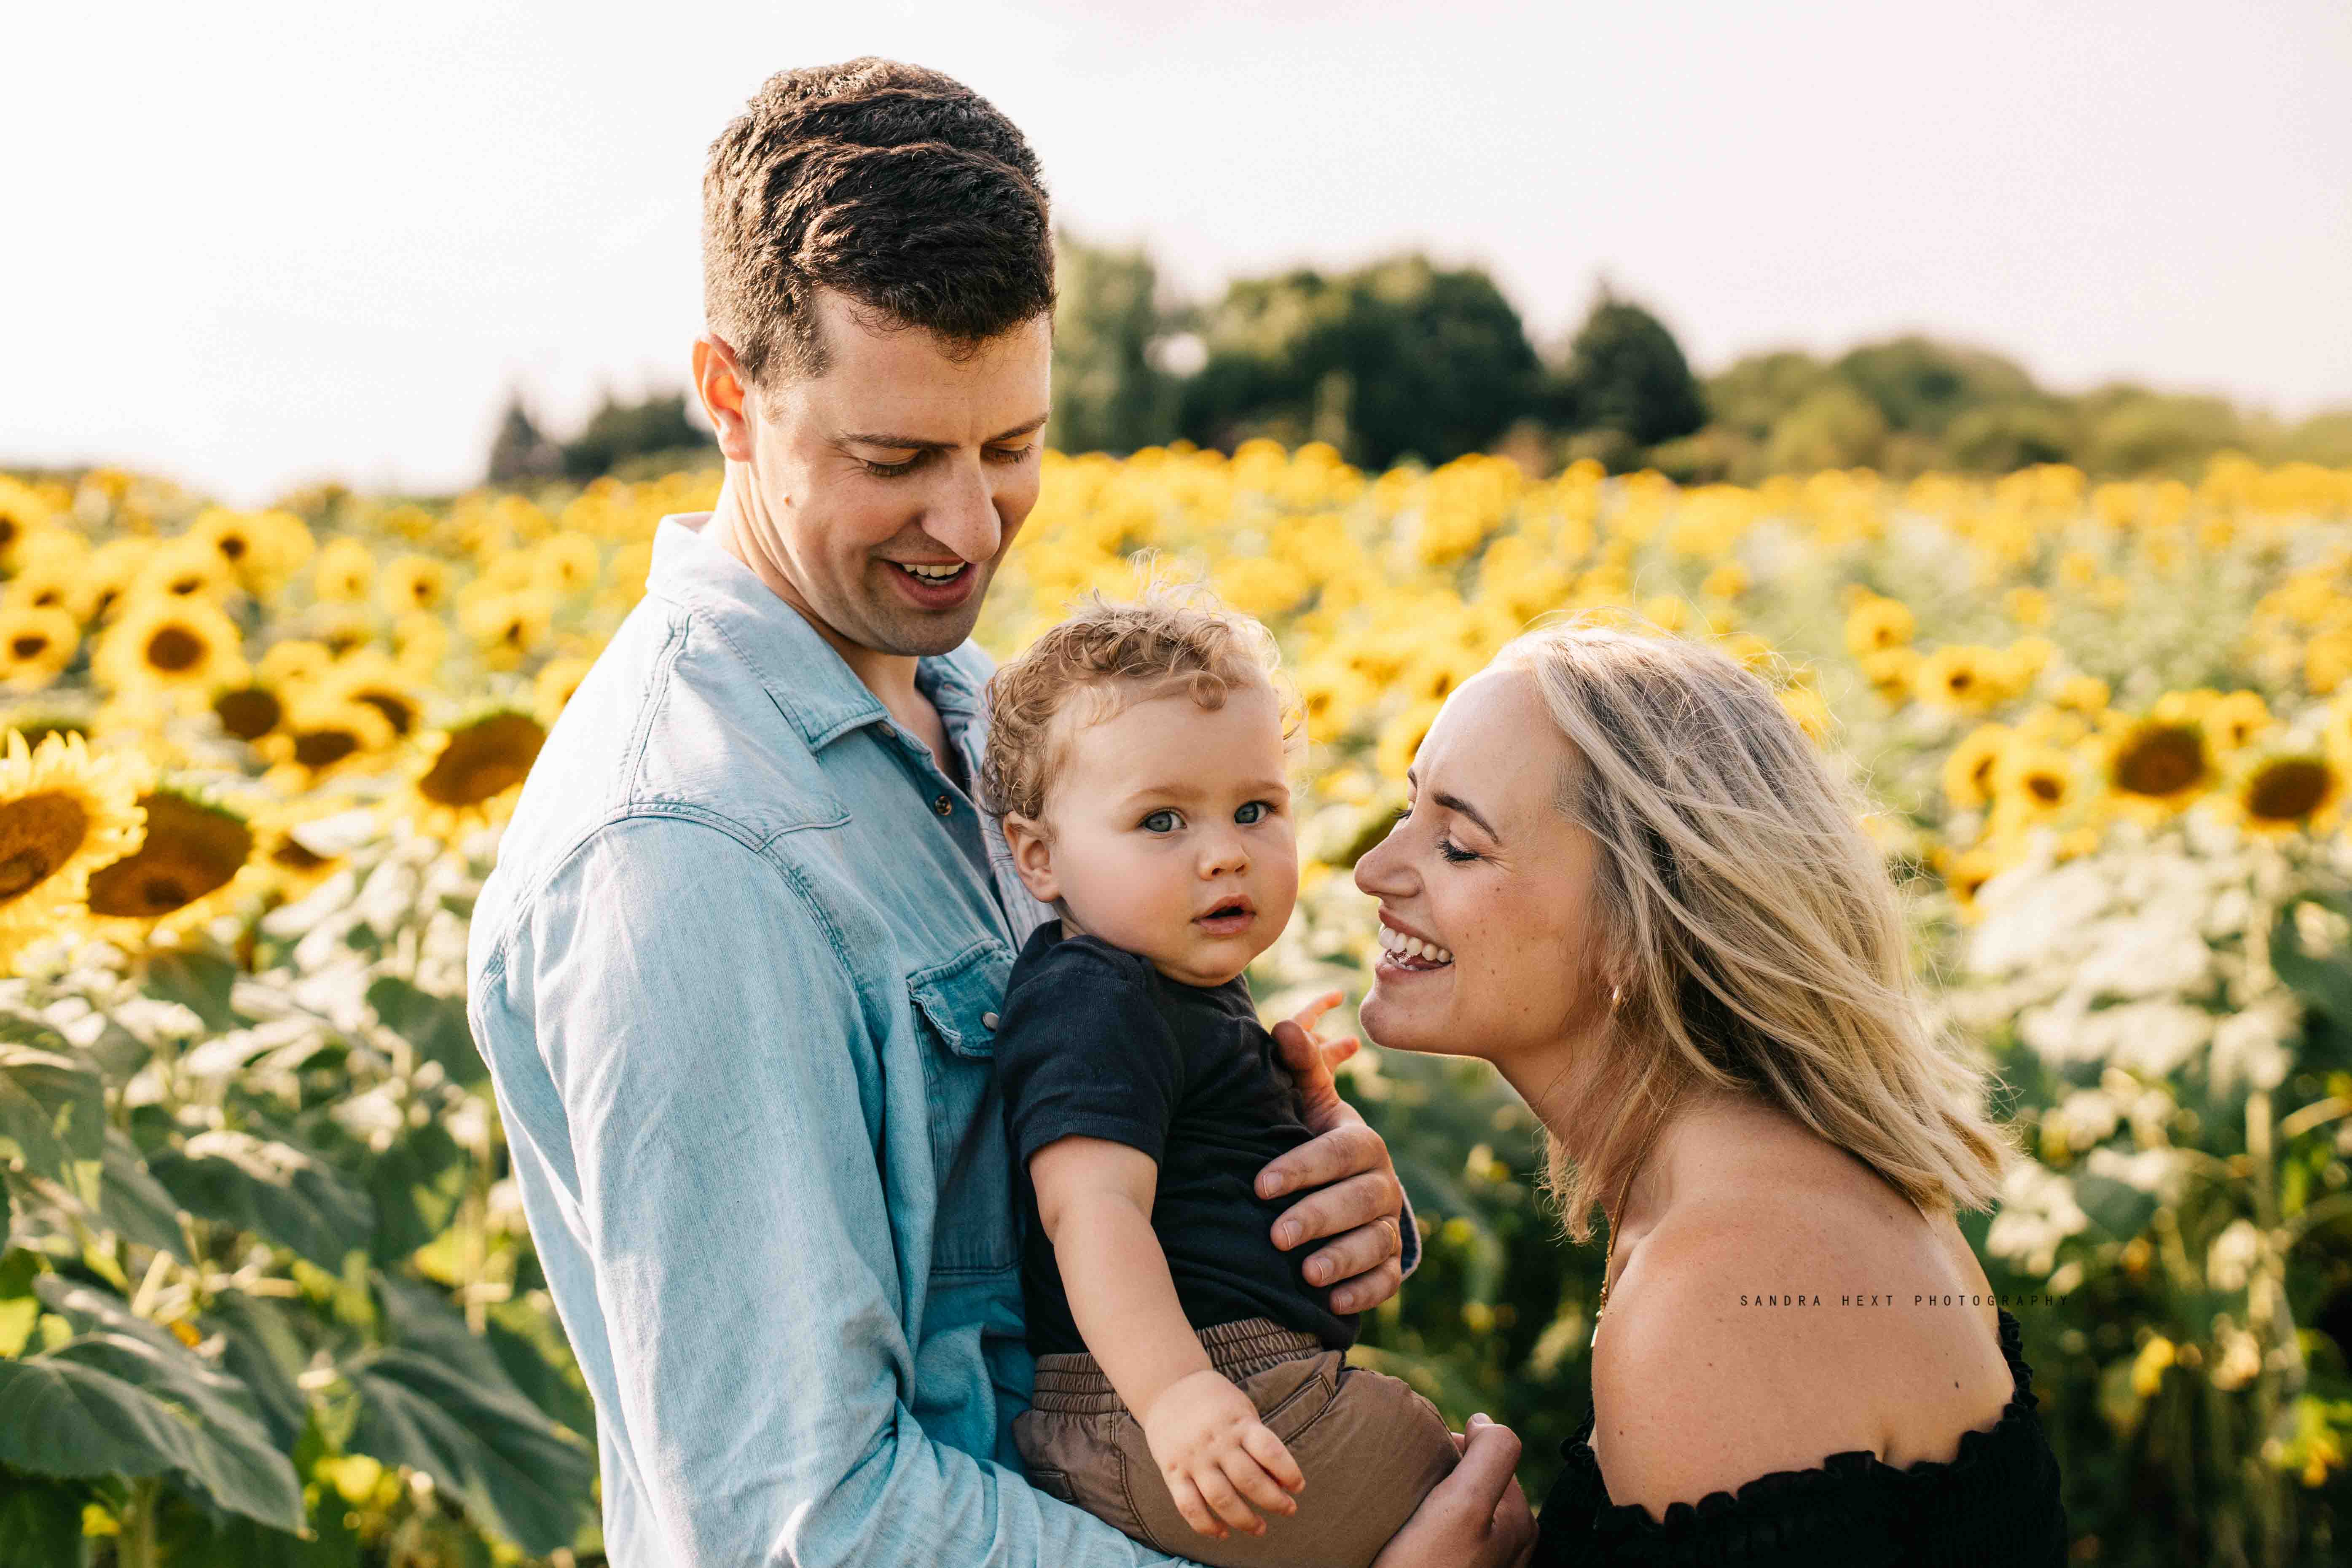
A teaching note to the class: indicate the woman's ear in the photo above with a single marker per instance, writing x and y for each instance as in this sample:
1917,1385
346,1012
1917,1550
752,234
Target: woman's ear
1032,857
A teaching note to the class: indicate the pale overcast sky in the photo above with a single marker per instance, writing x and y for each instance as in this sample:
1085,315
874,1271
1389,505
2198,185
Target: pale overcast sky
252,245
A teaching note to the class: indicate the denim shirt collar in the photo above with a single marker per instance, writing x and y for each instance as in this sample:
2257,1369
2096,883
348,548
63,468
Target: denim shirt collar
802,673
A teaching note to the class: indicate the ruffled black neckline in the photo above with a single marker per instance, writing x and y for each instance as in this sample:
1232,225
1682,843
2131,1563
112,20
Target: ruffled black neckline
1978,1450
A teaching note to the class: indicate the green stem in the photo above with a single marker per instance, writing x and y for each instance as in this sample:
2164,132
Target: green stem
137,1546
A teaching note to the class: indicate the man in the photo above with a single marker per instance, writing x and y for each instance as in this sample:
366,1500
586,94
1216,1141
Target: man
735,973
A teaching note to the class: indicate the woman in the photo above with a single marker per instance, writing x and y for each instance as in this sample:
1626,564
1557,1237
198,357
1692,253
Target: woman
1627,878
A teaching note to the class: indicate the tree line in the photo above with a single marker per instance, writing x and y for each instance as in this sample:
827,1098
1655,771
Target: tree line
1404,360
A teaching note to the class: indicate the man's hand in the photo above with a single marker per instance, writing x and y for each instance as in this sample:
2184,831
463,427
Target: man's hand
1360,1207
1474,1518
1213,1452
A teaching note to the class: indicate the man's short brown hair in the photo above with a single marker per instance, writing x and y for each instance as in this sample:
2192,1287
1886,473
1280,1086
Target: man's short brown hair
897,186
1173,637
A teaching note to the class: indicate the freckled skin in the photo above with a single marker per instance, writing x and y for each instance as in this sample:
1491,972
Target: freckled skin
1506,998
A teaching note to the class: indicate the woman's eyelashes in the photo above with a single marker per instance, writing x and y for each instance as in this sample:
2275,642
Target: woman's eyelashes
1446,847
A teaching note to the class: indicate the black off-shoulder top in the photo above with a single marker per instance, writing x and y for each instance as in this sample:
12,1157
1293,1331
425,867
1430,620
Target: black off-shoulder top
1997,1501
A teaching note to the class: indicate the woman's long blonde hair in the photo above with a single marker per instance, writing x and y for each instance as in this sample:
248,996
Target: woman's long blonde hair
1745,922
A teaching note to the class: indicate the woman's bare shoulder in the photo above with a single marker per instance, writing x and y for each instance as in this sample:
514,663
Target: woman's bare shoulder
1770,1329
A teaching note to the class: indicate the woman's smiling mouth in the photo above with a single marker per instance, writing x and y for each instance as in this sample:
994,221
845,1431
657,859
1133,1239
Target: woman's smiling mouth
1410,954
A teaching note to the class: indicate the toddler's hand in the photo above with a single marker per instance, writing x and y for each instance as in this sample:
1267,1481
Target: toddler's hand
1213,1451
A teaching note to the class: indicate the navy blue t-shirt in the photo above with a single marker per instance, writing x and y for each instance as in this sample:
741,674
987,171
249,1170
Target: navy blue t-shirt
1092,1040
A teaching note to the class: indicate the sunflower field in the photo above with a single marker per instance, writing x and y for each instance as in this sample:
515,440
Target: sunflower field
268,1295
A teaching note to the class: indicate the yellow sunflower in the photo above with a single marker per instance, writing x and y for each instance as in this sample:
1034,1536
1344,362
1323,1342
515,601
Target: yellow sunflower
1876,624
1969,680
413,583
187,646
291,864
64,812
343,572
36,646
297,664
552,686
369,677
420,640
508,627
1971,772
2036,784
197,862
22,510
2284,794
1401,736
321,739
2237,720
565,563
186,568
469,776
113,567
53,584
2154,766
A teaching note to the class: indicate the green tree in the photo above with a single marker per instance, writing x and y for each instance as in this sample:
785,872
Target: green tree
618,432
1626,373
1108,395
1836,428
520,453
2132,430
1400,358
1922,386
2003,436
1752,394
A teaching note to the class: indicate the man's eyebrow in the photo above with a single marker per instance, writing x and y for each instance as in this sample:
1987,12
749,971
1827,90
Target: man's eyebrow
924,443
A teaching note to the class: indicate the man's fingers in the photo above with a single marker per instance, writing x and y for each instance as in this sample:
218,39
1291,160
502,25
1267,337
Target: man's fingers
1368,1290
1487,1471
1268,1450
1339,1208
1358,1251
1343,1151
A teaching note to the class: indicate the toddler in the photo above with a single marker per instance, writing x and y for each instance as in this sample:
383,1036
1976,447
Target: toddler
1137,759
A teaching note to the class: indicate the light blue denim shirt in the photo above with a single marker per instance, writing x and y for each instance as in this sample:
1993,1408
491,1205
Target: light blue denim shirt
735,975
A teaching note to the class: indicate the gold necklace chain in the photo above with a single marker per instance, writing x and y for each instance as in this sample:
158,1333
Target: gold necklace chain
1616,1225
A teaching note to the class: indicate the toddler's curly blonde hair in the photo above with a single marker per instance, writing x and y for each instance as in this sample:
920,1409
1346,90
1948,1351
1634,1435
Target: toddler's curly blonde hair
1110,653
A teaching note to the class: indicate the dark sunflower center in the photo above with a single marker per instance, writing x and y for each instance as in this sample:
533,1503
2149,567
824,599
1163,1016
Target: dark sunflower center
2288,790
396,709
233,547
38,833
28,646
320,748
294,857
248,713
2162,762
190,851
174,648
483,759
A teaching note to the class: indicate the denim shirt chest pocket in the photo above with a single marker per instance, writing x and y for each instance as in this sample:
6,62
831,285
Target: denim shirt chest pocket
955,1004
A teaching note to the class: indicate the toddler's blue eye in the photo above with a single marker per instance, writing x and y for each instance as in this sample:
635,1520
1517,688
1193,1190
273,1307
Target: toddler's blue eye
1258,808
1167,826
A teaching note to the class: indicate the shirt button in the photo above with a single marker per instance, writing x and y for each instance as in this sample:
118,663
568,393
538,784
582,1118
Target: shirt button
988,1020
944,807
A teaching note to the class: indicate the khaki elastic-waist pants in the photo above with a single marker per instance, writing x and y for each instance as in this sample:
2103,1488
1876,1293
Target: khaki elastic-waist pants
1369,1447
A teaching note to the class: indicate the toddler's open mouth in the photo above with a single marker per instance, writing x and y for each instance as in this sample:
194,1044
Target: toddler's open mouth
1229,918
